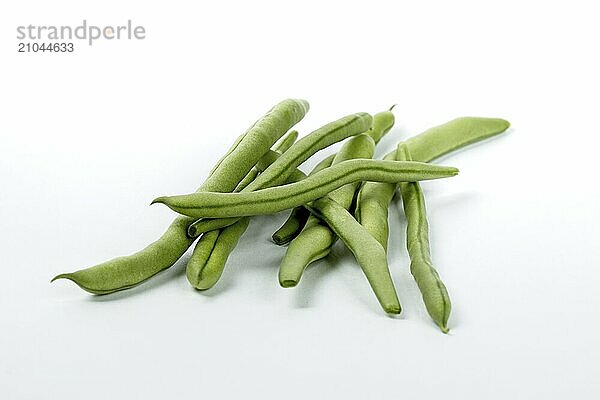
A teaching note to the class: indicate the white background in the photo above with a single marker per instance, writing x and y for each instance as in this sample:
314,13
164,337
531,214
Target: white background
87,139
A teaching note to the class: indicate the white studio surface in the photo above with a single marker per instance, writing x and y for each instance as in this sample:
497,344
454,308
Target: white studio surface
88,139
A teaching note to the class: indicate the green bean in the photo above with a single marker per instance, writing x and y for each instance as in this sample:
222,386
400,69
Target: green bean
316,238
434,293
274,199
452,136
206,264
368,252
126,272
284,144
372,204
278,172
299,215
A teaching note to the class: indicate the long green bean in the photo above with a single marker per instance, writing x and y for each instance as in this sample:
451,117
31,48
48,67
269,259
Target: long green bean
434,293
369,254
126,272
274,199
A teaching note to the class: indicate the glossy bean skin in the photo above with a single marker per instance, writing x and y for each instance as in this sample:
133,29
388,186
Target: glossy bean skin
296,221
434,293
278,171
316,238
275,199
207,262
369,253
125,272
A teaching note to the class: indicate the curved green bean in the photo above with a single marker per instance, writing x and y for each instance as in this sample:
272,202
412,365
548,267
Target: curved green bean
126,272
434,293
278,172
453,135
274,199
371,256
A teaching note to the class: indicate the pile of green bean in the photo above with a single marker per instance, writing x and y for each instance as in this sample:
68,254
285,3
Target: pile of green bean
346,196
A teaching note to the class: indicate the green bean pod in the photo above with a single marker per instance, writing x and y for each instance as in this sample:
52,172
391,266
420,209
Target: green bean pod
434,293
278,172
275,199
369,254
453,135
126,272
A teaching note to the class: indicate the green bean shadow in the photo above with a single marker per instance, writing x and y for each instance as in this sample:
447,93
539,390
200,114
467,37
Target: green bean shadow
317,272
177,271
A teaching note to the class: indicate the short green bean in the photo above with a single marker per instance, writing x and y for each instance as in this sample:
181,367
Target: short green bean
274,199
434,293
126,272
